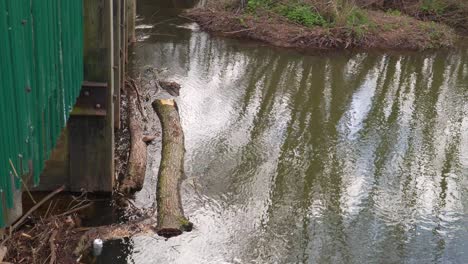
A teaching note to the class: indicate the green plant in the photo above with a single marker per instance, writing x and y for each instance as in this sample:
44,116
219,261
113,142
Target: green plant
433,6
357,17
434,32
242,21
358,23
387,27
302,14
394,12
253,5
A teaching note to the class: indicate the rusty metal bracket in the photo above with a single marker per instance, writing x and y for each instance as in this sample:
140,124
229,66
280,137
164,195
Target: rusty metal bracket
92,100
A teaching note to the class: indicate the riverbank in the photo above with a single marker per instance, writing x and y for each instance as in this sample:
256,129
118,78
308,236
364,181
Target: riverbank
299,24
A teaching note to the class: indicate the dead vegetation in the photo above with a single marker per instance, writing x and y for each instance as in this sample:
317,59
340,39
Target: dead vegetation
48,235
48,231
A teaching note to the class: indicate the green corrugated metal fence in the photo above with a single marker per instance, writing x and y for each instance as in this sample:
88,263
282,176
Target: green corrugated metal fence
41,59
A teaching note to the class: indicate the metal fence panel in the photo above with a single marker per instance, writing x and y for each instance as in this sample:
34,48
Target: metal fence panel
41,72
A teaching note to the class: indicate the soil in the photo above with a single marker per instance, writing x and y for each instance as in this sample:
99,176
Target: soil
385,31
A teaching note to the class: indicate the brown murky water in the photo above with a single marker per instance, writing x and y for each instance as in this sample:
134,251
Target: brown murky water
294,158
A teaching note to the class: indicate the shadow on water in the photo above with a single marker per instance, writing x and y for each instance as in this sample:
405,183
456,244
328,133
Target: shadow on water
291,158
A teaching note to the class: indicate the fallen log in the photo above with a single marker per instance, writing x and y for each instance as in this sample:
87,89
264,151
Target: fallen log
113,232
171,219
135,176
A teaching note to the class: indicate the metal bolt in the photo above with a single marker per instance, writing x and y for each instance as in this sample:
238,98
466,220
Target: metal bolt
24,21
86,93
98,106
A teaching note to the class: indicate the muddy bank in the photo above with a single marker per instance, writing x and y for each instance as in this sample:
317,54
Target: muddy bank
383,31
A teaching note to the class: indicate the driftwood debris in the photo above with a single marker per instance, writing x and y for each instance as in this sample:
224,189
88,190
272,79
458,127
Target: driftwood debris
135,176
172,88
53,250
34,208
171,219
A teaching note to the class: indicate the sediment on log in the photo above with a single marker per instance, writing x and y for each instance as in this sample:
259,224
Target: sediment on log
171,219
135,176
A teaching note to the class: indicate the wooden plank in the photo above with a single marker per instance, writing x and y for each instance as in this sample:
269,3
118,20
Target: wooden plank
123,42
124,45
92,138
131,20
56,171
117,61
91,174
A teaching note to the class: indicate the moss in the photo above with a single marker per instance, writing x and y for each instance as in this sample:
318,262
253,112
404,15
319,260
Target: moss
185,224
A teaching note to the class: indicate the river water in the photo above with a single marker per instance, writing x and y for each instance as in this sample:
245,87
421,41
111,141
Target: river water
357,157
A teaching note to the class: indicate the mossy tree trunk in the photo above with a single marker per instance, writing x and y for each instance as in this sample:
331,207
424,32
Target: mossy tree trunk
171,219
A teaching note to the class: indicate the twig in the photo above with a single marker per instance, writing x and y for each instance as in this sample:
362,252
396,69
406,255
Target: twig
155,13
134,86
26,236
157,34
48,208
53,206
186,17
76,205
21,180
77,209
35,207
239,31
53,254
44,260
77,199
83,229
